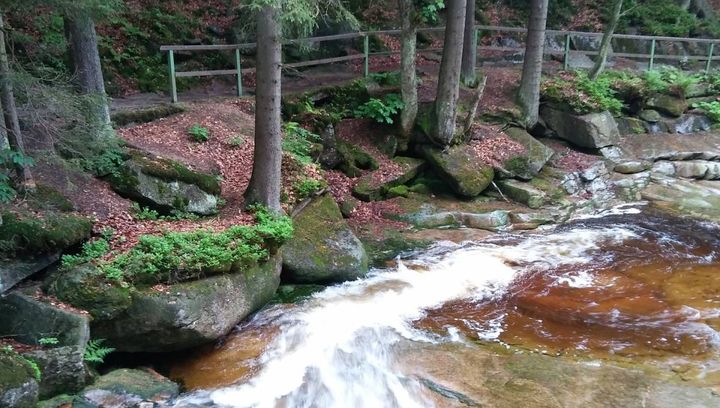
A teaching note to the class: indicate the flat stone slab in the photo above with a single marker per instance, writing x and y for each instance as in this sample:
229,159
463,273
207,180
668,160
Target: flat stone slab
674,147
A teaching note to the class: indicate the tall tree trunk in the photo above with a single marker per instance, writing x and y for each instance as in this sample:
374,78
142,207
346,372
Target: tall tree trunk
449,78
81,36
408,79
265,182
606,40
12,124
529,93
469,55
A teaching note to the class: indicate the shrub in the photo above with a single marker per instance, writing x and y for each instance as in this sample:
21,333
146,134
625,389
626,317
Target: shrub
198,133
662,17
307,187
711,109
582,95
381,110
298,141
91,250
391,78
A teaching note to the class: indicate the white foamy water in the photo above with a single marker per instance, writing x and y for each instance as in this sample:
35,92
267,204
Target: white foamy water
336,350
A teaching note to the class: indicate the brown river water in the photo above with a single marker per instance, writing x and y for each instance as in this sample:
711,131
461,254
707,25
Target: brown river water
633,286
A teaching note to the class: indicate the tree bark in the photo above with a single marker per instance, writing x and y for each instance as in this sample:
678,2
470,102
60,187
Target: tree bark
81,36
12,124
469,56
449,77
265,182
606,40
529,93
408,78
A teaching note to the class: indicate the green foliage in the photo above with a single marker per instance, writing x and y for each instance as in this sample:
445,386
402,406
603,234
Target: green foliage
95,352
389,78
198,133
308,187
298,141
236,141
178,256
430,10
144,213
670,80
9,159
30,363
711,109
49,341
381,110
91,250
662,17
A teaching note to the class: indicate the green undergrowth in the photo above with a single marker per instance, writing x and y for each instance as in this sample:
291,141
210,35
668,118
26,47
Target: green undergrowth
615,91
180,256
711,109
23,233
299,142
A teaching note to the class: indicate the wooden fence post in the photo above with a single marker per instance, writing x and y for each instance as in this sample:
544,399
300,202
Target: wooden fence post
173,85
366,52
709,61
652,55
566,57
238,67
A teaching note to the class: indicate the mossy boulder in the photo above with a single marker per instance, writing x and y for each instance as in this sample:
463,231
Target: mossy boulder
18,385
146,114
63,370
671,105
528,165
189,314
86,288
354,159
127,388
166,185
523,193
323,249
29,319
460,167
369,188
593,131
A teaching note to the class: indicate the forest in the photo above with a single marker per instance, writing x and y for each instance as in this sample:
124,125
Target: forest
359,203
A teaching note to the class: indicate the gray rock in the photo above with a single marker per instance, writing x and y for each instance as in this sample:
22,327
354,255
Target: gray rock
14,271
460,168
126,388
63,370
649,115
667,104
595,171
629,187
630,126
665,168
632,166
18,386
189,314
28,320
692,124
572,183
698,90
523,193
537,154
698,169
701,146
166,185
613,153
323,248
491,221
594,130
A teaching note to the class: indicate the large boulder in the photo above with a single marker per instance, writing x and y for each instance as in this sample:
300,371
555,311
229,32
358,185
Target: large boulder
18,385
374,187
461,168
63,369
523,193
537,154
668,104
594,130
127,388
188,314
166,185
29,319
30,243
323,248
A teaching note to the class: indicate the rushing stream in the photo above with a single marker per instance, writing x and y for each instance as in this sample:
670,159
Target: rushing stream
631,284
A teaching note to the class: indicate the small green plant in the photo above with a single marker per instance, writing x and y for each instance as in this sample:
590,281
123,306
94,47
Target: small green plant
95,353
8,160
581,94
31,363
91,250
107,233
711,109
198,133
430,9
391,78
381,110
298,141
236,141
49,341
307,187
143,213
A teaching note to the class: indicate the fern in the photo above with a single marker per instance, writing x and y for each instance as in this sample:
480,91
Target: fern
95,353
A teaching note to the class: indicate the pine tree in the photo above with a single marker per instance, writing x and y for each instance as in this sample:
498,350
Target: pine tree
529,93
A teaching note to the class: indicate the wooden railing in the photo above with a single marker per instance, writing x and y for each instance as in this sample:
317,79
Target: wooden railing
566,52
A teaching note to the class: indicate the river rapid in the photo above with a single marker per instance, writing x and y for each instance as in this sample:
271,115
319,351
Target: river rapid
629,286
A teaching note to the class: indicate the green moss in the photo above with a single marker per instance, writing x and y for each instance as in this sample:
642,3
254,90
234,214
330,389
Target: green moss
171,170
46,198
398,191
518,165
59,401
142,383
388,244
295,293
15,370
145,115
28,234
